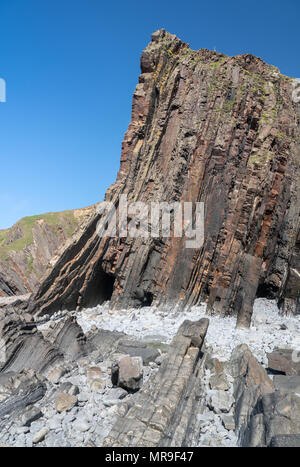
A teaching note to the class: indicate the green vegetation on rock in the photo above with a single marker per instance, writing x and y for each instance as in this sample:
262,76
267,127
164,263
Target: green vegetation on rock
64,220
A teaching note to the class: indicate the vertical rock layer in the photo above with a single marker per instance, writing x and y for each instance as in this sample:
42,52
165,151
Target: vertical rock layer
205,127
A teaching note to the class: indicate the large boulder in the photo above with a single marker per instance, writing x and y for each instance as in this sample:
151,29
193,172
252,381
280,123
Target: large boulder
129,373
284,361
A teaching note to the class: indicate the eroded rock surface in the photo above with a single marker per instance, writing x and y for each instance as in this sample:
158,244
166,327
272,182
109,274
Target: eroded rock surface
163,412
28,248
205,127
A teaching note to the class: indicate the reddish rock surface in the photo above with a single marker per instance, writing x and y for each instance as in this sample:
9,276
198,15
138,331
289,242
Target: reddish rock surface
205,127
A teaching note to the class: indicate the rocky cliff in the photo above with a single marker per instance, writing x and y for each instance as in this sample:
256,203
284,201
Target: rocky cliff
211,128
27,248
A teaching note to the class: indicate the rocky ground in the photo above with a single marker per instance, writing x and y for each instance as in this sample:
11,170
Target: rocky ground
80,404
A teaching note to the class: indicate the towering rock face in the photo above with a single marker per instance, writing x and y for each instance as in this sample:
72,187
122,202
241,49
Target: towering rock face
210,128
27,248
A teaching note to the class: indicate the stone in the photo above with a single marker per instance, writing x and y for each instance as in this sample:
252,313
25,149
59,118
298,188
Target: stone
220,401
214,365
118,393
130,376
54,423
110,402
163,410
281,360
30,415
93,372
22,429
275,414
219,382
98,384
19,391
251,382
40,436
69,388
81,425
83,396
244,367
285,441
55,374
138,349
289,384
228,422
65,402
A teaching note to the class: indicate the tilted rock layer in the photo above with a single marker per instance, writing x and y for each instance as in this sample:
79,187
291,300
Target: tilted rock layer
27,248
205,127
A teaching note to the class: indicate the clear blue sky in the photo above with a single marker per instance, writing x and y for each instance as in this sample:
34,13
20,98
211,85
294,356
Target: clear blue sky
71,67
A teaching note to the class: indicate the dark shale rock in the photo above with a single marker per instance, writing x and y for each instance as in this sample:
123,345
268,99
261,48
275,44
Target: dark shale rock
163,413
274,414
25,347
31,414
266,413
20,391
251,382
105,341
205,127
69,338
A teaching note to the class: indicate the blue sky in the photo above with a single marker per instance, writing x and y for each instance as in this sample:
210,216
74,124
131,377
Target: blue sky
71,67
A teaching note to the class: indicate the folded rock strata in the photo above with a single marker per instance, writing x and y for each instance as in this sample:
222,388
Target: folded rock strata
29,246
18,391
205,128
163,412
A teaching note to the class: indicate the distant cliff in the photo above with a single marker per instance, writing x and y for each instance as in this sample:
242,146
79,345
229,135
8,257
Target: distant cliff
205,127
26,249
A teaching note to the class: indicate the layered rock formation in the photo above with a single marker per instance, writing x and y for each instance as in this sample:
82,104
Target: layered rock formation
205,127
27,248
163,413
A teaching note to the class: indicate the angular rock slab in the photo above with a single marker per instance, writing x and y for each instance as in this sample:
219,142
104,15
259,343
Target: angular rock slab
251,382
163,411
282,360
275,414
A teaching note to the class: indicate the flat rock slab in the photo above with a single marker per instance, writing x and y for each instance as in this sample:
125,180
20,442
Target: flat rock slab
287,383
65,402
31,415
285,441
138,349
283,361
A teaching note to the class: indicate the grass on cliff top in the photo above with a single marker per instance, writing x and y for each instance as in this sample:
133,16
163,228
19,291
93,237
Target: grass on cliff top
64,219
